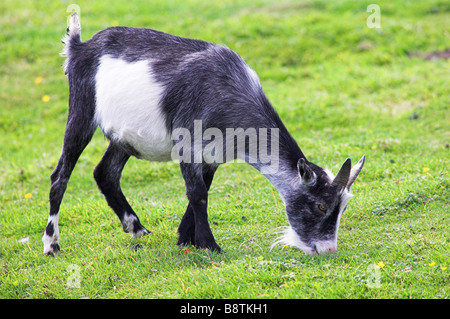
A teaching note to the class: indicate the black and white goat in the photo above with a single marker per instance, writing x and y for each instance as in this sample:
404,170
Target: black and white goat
141,86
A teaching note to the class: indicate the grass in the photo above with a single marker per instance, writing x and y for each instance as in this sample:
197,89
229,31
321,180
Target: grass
342,89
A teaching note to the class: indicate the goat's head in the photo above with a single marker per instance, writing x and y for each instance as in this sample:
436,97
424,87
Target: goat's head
316,207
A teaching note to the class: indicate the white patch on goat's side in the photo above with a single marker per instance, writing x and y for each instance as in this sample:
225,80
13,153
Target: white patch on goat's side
291,238
128,107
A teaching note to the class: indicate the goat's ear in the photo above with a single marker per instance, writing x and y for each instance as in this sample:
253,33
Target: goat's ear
355,171
307,175
342,177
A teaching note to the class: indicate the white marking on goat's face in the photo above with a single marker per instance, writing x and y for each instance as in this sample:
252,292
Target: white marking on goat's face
330,246
128,107
289,237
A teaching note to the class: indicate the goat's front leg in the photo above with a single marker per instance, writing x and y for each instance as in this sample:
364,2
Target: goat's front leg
197,193
186,230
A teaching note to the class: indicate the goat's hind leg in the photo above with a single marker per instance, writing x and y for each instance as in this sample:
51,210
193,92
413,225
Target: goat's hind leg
107,174
77,135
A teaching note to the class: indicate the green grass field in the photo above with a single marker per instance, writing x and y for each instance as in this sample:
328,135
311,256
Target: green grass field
342,89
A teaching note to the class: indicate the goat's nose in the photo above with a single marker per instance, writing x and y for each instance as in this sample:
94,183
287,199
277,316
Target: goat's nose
324,249
332,250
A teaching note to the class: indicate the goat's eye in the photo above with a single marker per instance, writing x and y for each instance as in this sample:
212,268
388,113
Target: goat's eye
321,207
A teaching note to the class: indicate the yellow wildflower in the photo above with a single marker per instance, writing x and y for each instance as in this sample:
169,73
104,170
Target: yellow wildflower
38,80
28,195
444,268
380,264
431,264
425,169
45,98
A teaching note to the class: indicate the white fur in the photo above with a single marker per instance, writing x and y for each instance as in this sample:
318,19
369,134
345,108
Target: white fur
48,241
345,197
127,224
329,174
74,29
326,246
285,181
289,237
128,106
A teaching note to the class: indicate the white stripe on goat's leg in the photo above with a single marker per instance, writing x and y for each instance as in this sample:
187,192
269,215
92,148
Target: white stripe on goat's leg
51,236
132,225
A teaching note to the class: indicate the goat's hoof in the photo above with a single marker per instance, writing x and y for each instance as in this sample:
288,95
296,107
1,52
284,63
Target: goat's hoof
212,247
142,231
135,247
52,250
186,240
217,249
132,225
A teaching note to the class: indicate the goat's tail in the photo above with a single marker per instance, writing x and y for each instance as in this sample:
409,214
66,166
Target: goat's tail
72,39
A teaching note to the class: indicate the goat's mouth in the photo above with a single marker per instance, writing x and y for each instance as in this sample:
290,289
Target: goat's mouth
324,247
289,237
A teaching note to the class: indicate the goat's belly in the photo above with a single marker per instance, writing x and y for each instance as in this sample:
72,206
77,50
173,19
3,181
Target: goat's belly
128,110
144,145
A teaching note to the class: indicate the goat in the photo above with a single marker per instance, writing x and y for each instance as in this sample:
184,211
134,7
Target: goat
140,86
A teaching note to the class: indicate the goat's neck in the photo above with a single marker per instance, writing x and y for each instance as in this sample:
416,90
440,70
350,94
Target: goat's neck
285,181
285,178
